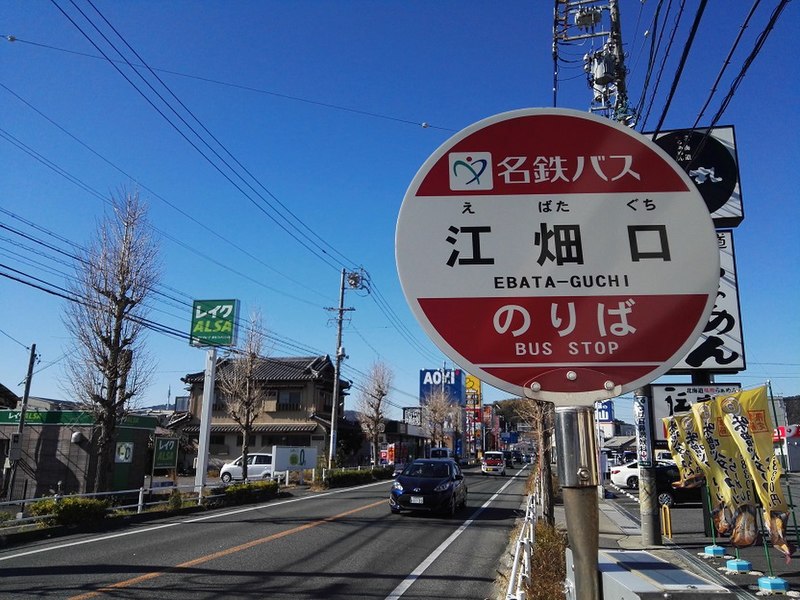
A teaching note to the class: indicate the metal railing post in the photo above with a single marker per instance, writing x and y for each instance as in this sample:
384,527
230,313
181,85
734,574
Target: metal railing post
140,507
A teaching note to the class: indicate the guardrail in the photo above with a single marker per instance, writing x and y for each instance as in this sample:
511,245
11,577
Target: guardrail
523,553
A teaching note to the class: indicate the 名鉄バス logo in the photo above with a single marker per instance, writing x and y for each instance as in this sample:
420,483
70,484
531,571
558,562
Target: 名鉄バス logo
470,171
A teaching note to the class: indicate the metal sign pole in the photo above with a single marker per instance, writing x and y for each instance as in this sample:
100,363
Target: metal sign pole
205,421
577,472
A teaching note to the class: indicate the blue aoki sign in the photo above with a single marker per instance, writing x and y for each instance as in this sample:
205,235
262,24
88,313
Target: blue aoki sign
452,381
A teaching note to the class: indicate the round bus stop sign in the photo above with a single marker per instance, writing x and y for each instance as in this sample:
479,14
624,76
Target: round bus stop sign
557,255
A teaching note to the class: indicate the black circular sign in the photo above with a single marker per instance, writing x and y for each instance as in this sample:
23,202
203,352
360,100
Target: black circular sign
707,162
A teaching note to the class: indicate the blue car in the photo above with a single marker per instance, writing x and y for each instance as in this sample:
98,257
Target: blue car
429,485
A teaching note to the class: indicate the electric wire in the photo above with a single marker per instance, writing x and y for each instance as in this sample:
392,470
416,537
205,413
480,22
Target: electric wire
398,324
661,69
249,88
87,188
238,163
154,194
681,64
384,307
320,254
726,63
656,37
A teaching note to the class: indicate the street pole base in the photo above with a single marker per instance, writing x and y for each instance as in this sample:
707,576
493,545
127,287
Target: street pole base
773,584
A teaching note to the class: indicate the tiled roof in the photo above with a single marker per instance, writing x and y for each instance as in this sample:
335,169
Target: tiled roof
294,368
258,428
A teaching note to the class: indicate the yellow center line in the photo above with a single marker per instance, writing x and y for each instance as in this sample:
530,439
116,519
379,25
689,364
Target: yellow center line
209,557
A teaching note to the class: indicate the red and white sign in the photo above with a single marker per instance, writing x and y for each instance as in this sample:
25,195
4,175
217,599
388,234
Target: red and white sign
557,255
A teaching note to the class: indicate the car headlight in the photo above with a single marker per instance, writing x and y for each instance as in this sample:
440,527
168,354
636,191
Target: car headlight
442,487
397,486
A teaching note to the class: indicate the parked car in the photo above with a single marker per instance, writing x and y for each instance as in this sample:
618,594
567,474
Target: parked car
516,456
259,466
664,456
509,458
627,475
493,463
429,485
668,495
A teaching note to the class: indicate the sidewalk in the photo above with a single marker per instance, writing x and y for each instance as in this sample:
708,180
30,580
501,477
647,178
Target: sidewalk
686,550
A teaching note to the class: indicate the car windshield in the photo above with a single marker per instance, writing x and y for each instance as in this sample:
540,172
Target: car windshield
430,469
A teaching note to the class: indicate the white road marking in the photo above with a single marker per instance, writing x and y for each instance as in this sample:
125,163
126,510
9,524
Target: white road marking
192,520
415,574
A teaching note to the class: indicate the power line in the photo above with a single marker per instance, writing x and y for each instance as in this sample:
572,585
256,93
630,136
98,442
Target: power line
313,247
173,206
248,88
13,339
681,64
726,62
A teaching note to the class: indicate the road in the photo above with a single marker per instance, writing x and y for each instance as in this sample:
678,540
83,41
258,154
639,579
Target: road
337,544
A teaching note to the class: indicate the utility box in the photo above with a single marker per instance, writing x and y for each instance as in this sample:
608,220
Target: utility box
635,574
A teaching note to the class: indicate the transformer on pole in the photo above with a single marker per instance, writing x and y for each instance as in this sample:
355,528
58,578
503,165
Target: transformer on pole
605,67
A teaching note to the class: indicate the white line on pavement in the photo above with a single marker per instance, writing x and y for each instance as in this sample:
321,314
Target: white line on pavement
415,574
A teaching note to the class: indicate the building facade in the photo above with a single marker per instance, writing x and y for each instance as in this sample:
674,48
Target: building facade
296,411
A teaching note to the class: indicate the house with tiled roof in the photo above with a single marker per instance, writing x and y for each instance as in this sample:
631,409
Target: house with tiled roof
296,412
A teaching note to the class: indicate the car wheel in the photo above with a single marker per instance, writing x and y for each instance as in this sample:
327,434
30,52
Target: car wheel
452,507
503,473
464,501
226,478
666,499
633,482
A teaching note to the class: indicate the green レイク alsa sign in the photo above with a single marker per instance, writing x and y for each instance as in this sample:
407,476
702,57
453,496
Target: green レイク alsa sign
165,453
214,322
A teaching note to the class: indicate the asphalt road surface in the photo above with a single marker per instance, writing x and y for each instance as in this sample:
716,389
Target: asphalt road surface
337,544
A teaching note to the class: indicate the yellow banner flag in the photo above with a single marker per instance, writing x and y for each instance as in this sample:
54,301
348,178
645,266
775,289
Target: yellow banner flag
691,473
748,419
727,469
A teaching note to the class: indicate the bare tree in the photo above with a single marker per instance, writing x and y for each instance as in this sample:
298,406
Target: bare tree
108,369
244,396
371,404
438,411
540,417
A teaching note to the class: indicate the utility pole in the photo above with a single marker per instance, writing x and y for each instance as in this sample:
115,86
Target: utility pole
605,68
356,280
15,448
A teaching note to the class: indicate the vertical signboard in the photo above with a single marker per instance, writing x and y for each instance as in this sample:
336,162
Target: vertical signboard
214,322
720,347
644,438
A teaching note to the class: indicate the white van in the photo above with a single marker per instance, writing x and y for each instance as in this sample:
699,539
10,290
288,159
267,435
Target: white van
259,466
440,453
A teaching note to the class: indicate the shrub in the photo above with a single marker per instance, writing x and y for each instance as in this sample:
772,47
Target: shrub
346,477
69,510
257,491
175,501
548,566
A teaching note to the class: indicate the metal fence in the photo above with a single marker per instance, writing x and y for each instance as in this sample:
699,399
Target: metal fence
523,552
145,498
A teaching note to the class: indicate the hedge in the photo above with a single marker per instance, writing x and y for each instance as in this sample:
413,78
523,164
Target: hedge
69,510
347,477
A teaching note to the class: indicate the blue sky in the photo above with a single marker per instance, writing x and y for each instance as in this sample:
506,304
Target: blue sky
324,103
